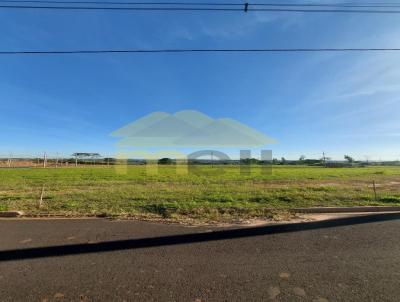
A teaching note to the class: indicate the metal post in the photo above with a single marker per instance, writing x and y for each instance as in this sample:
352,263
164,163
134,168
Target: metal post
374,186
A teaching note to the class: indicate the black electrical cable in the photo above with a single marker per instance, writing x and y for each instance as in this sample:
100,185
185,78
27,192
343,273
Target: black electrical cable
356,5
360,11
260,50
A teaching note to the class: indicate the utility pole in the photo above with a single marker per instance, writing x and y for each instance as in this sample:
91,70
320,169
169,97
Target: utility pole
9,160
44,160
56,159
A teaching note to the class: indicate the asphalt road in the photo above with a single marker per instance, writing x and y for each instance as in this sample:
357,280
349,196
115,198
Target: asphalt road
348,259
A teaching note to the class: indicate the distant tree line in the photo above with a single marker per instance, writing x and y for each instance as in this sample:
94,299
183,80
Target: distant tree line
87,158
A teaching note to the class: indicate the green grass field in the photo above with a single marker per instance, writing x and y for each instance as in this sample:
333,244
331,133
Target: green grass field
205,195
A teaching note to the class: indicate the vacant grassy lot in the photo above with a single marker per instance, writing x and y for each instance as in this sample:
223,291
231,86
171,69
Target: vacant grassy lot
206,194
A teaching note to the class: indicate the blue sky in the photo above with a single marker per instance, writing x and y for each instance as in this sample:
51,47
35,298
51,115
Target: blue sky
337,103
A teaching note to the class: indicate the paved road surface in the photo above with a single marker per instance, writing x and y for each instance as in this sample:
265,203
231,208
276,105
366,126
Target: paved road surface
350,259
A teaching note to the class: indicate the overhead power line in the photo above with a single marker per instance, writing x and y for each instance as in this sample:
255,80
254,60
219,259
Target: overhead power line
187,6
362,5
359,11
366,5
247,50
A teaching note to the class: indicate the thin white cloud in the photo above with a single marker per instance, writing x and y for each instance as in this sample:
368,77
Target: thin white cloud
239,26
368,76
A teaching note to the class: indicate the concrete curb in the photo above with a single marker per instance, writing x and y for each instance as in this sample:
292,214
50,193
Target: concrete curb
11,214
317,210
360,209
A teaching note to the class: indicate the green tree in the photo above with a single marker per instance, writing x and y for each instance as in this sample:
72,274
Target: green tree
165,161
349,159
